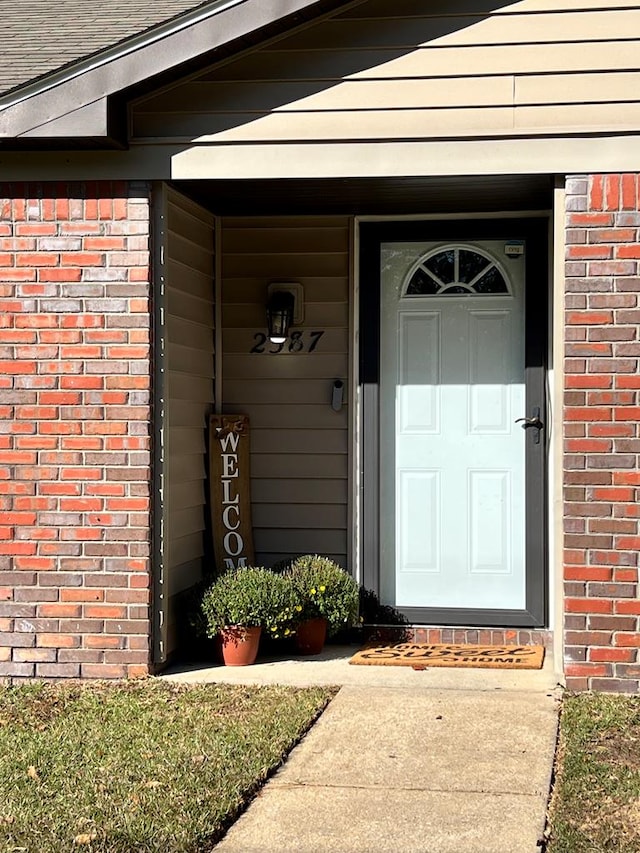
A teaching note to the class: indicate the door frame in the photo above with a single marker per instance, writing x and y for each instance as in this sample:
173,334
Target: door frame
534,231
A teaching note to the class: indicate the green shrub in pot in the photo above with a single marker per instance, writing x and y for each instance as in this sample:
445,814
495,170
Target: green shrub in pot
324,590
248,597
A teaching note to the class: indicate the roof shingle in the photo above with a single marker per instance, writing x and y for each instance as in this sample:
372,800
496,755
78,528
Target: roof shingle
38,37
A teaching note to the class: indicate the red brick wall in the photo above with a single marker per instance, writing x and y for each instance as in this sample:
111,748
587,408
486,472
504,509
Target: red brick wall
601,433
74,430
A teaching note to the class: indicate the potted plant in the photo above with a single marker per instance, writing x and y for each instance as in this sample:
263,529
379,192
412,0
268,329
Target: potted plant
329,600
243,602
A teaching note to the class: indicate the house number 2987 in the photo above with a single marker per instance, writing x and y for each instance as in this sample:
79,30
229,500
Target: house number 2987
296,342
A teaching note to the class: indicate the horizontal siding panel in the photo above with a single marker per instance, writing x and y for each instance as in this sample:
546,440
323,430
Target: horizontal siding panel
189,439
415,125
191,333
243,341
284,266
370,33
188,307
315,289
184,250
295,416
577,117
183,386
298,491
578,26
297,466
578,88
187,553
186,413
187,495
363,124
275,392
185,222
294,441
273,64
177,201
306,365
299,516
186,281
184,549
316,316
504,59
185,521
209,98
412,94
270,559
284,223
186,359
300,541
332,66
185,468
245,241
184,577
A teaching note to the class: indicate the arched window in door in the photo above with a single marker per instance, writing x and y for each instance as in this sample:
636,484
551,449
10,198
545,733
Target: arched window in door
456,270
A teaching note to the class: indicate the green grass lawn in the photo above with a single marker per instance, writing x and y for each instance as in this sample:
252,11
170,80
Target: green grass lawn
596,800
143,766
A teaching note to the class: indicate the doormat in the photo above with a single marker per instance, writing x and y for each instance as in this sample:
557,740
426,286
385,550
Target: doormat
425,655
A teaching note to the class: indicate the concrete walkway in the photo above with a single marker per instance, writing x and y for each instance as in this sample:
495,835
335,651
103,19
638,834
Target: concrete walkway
405,761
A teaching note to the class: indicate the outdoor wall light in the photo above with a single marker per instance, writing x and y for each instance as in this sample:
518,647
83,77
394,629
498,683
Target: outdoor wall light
284,308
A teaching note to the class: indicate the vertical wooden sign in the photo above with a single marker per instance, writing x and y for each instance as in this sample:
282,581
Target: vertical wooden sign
230,491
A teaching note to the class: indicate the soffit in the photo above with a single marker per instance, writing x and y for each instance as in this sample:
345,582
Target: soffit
373,196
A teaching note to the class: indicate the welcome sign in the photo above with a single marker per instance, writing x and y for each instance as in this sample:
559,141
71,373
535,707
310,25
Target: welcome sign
230,491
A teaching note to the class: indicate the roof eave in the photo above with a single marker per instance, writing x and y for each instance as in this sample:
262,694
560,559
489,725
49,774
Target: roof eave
75,102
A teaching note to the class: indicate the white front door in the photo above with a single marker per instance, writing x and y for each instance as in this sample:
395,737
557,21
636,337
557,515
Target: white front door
452,385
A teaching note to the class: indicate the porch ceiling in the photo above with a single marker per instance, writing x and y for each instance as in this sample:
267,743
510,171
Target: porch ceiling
362,196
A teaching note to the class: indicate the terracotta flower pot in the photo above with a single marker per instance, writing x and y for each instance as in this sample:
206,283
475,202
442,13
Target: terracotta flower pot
240,645
310,636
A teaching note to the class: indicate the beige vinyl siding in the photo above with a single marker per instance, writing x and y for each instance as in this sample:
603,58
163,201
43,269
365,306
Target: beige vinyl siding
299,445
412,70
189,386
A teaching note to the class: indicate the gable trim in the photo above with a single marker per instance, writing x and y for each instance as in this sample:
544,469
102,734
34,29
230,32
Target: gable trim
30,109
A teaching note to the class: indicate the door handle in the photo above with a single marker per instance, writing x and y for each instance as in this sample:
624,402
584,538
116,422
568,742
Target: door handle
533,421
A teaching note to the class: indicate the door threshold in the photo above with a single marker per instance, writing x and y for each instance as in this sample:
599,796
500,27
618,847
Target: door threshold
443,634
